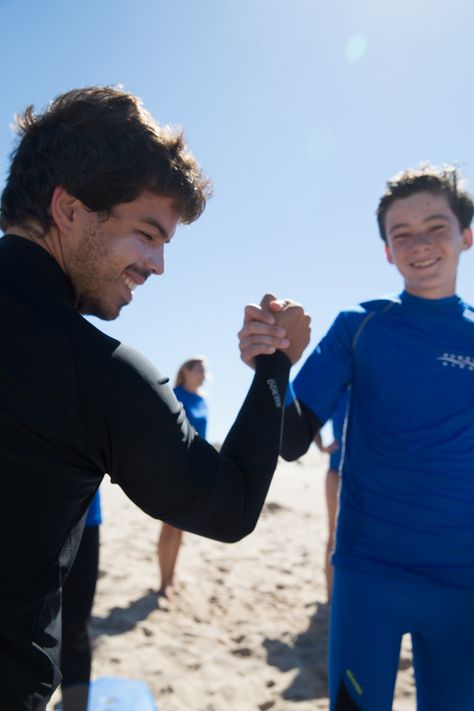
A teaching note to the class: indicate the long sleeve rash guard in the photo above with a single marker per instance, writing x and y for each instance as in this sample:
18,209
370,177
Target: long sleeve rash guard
407,493
76,404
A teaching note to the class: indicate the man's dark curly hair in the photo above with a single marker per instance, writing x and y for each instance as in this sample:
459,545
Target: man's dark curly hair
446,180
104,148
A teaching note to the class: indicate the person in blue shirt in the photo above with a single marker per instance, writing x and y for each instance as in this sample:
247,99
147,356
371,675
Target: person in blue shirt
404,555
189,379
335,451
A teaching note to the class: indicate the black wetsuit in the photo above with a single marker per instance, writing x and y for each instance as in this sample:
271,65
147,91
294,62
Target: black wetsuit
74,405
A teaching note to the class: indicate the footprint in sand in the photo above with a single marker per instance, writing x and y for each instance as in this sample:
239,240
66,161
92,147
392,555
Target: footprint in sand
238,640
273,507
241,652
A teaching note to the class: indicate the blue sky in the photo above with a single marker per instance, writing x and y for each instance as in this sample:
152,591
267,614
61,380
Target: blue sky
298,110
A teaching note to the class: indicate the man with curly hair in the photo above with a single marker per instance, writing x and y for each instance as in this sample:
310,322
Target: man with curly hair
95,191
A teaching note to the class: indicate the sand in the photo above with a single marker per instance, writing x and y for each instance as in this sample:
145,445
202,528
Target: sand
248,627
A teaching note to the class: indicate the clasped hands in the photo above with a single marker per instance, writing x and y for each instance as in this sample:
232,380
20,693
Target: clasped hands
276,324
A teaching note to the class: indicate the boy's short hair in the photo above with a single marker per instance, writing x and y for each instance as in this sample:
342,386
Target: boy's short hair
446,180
102,146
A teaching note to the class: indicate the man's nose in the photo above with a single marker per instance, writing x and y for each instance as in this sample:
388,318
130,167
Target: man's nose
155,261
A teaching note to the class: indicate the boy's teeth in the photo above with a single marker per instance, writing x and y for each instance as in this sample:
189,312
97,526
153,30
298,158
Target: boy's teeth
425,263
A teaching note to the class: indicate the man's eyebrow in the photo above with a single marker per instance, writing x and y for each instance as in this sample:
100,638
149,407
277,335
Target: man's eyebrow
435,216
158,226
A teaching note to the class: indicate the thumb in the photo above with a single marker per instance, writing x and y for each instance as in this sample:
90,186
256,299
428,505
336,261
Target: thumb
270,303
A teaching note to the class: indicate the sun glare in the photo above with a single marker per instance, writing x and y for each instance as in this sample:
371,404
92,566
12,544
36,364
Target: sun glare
355,48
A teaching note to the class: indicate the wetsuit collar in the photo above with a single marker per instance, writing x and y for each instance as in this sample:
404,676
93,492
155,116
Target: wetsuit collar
36,259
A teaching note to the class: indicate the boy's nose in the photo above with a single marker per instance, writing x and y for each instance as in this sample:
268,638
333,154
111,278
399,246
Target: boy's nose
422,239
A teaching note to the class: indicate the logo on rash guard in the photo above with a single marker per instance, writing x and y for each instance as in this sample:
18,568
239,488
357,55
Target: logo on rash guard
457,361
271,382
354,682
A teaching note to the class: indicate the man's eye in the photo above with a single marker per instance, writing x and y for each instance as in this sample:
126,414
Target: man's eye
400,237
438,228
146,235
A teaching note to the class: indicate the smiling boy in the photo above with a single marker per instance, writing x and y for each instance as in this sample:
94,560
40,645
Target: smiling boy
404,554
424,237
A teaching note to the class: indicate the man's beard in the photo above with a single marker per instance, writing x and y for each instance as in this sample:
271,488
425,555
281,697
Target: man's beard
90,306
91,273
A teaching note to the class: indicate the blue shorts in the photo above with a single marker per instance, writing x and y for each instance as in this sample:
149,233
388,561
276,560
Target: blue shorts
369,615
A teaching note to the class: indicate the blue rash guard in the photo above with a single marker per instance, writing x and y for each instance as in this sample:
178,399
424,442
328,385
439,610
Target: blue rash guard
195,407
338,419
407,497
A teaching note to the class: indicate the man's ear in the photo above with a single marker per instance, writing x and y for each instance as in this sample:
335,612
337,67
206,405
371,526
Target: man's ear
63,209
388,254
467,239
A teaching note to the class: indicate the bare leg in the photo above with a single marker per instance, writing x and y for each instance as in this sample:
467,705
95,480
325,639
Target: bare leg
168,547
332,486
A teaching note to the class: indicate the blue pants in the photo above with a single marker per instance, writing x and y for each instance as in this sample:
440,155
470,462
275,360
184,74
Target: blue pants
370,613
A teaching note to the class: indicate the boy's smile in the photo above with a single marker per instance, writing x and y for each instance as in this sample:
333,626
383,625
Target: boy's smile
424,241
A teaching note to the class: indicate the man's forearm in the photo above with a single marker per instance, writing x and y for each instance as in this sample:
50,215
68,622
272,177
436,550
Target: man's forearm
229,507
253,442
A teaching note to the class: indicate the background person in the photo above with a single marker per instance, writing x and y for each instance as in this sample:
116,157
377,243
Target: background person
189,380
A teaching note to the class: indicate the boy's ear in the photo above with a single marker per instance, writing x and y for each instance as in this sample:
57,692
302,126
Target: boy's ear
467,239
389,255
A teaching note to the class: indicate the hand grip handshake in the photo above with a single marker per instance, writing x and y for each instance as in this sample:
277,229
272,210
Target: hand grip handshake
277,324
